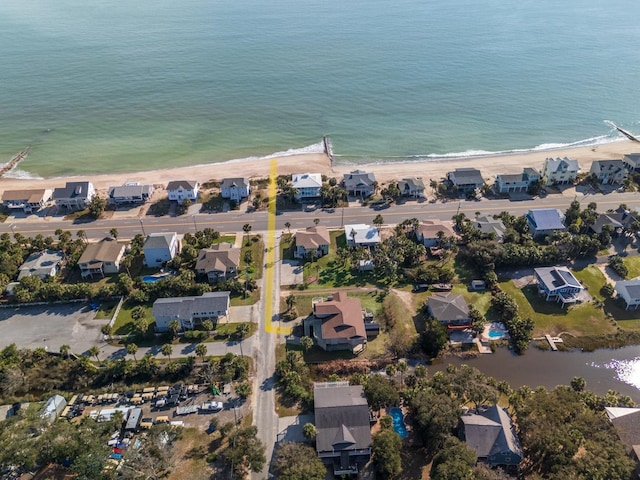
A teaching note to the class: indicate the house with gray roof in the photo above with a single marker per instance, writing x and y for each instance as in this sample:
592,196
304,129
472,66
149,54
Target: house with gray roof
518,182
560,171
190,311
74,195
629,291
342,420
466,180
181,190
490,226
53,408
307,185
41,264
411,187
619,220
631,162
626,421
101,258
359,183
449,309
492,435
609,172
218,263
26,200
558,283
236,189
545,221
159,248
131,193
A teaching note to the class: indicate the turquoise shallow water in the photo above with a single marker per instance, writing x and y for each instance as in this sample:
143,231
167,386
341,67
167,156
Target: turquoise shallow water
125,86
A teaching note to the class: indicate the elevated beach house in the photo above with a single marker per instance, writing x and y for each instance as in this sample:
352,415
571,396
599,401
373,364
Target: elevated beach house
517,182
343,428
411,187
307,185
361,235
631,162
609,172
41,264
190,311
449,309
337,323
466,180
218,263
131,193
629,291
159,248
558,284
359,183
490,226
492,435
430,231
26,200
313,239
545,221
74,195
235,189
560,171
181,190
101,258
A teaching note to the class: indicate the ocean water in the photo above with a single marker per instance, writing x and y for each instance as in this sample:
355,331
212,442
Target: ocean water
117,85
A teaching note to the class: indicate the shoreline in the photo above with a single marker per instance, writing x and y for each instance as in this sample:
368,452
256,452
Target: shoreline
490,165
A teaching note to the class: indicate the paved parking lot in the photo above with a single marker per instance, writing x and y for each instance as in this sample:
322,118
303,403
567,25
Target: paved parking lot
290,273
50,326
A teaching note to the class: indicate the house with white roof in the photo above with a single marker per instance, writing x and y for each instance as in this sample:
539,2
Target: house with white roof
236,189
545,221
181,190
190,311
629,291
130,193
609,171
560,171
307,185
411,187
41,264
359,183
361,235
160,248
558,283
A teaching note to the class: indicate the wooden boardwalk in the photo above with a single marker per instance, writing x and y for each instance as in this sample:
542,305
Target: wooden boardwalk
11,164
552,342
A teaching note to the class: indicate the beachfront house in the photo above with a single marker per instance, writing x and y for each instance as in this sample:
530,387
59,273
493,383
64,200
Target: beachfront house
218,263
609,172
411,187
560,171
619,220
337,323
181,190
558,284
359,183
490,226
131,193
26,200
466,180
491,434
430,232
41,264
306,185
629,291
74,195
235,189
159,248
343,428
101,258
631,162
518,182
545,221
449,309
361,235
313,239
190,311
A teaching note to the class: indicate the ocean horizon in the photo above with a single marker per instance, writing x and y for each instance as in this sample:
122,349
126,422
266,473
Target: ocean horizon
116,87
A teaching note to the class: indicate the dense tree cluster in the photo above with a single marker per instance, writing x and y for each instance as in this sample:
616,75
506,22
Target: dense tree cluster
297,461
520,329
294,378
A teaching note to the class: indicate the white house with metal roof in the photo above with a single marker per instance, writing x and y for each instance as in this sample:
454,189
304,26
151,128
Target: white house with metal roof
558,283
361,235
159,248
190,311
181,190
307,185
41,264
235,189
629,291
130,193
560,171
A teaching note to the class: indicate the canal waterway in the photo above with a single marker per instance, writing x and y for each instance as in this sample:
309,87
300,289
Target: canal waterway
603,370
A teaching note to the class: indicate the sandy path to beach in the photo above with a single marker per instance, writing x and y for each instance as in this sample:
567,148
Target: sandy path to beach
315,162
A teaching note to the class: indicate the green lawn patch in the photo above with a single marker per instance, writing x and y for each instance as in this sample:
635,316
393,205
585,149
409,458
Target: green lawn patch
256,247
551,318
481,300
106,309
633,265
287,244
224,239
124,324
592,279
240,300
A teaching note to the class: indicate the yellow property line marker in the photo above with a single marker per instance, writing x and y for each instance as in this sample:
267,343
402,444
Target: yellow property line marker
270,257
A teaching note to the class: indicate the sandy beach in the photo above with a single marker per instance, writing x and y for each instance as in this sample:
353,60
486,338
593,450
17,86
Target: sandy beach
490,166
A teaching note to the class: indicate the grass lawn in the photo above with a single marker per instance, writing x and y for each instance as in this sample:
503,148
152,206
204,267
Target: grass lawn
633,265
481,300
551,318
238,301
224,239
256,247
124,323
106,309
304,301
286,247
593,279
228,331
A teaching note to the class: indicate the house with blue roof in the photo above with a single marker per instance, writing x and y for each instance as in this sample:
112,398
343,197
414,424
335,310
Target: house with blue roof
558,283
545,221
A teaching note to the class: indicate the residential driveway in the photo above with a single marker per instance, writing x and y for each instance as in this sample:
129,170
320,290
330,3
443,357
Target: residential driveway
244,313
290,273
290,428
50,326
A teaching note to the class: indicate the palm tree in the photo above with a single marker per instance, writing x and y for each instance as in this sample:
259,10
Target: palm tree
94,352
201,350
65,350
132,349
306,343
288,225
242,330
246,228
353,236
167,350
290,301
114,233
316,221
82,235
174,327
378,221
207,325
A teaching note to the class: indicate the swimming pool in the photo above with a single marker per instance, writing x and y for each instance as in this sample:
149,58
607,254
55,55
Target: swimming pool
398,422
154,278
497,331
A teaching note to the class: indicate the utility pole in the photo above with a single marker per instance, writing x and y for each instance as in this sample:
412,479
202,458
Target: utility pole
142,226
